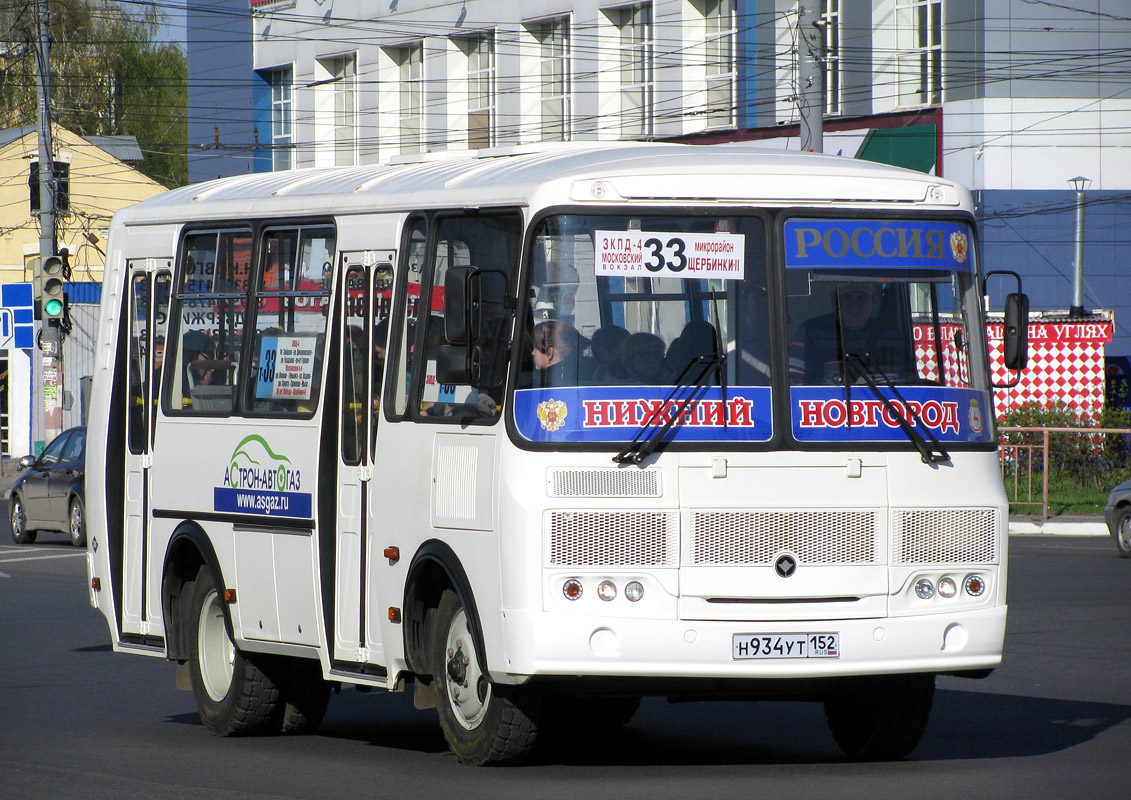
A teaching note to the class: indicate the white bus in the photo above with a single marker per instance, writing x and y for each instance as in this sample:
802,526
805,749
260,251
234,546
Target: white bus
537,434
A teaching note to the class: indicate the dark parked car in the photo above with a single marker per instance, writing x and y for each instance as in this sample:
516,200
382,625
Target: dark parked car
49,493
1118,516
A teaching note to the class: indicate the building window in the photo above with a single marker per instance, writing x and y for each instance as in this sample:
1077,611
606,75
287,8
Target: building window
831,18
337,107
282,140
553,53
919,46
410,65
480,51
635,27
718,15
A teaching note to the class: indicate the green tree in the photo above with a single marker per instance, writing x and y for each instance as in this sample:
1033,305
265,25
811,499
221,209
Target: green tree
109,76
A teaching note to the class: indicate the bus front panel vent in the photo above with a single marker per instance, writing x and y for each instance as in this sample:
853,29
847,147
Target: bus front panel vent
756,538
944,536
603,483
612,538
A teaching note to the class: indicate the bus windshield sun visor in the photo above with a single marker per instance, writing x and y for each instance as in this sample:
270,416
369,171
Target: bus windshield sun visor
652,432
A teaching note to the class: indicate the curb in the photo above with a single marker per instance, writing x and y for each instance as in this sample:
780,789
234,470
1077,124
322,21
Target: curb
1058,528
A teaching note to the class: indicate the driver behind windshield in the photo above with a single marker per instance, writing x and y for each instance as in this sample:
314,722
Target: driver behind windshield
871,330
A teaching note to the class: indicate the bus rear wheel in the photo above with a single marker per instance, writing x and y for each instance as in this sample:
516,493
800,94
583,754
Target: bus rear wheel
236,693
483,723
880,718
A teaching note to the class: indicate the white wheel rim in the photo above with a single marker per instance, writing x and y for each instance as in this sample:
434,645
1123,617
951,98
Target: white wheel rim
76,523
214,650
463,696
1124,533
17,517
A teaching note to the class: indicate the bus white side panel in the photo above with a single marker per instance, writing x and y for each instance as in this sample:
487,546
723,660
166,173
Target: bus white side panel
463,468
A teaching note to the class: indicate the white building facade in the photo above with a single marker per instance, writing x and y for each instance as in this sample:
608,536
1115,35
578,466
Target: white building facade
1011,97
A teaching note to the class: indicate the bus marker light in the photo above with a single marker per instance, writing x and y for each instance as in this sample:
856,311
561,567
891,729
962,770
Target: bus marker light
924,589
607,590
975,585
394,615
393,554
572,589
947,587
633,590
229,595
96,584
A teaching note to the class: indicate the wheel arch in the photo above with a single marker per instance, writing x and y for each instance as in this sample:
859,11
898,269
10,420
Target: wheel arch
434,568
189,548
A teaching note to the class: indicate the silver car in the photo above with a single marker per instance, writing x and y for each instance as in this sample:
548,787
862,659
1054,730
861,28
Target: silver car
1117,512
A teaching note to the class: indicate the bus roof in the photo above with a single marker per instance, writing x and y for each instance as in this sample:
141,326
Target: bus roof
630,172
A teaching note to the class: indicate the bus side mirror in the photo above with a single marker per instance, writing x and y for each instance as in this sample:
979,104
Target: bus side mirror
1016,343
475,306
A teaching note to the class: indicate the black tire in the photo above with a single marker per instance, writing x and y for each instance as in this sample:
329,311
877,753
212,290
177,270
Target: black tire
305,698
236,693
1122,532
483,723
880,718
76,522
18,520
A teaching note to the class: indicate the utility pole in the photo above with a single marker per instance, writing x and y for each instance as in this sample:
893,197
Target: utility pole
50,337
811,75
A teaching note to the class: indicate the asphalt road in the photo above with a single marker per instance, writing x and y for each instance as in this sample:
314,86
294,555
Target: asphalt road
1053,721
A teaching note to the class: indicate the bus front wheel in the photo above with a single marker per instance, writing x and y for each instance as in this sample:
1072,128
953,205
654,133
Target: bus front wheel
236,693
483,723
880,718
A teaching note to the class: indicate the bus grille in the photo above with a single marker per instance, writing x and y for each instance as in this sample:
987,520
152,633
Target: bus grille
757,537
603,483
944,536
613,538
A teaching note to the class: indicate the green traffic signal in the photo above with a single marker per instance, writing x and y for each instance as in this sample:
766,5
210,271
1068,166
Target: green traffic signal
53,308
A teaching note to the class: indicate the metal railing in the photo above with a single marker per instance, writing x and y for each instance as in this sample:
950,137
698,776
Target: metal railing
1017,460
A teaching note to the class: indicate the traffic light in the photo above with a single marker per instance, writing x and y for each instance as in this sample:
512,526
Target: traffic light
52,300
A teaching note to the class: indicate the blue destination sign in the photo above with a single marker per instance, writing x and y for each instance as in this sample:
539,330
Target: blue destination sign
870,244
616,414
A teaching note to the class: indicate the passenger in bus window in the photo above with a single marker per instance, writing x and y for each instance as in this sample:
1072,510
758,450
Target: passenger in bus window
557,356
606,345
642,359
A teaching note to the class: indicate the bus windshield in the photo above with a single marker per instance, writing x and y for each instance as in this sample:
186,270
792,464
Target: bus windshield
640,321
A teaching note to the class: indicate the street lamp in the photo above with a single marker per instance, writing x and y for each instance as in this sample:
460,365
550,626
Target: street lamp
1080,184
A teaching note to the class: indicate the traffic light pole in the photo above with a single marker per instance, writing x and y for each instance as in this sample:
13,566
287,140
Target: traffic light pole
50,338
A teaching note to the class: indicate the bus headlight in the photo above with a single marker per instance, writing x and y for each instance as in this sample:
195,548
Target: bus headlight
947,587
633,590
607,590
924,589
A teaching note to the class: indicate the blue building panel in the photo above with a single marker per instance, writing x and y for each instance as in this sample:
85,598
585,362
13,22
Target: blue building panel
1034,234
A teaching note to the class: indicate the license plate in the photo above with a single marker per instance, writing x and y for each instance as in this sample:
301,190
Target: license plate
786,645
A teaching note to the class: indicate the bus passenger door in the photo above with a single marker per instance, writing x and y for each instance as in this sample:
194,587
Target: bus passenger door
149,281
366,294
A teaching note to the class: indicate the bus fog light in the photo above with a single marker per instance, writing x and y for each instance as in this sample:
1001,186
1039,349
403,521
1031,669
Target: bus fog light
975,585
633,590
924,589
607,590
572,589
947,587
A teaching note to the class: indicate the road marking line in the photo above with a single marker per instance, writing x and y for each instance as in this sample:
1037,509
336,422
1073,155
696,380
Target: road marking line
4,575
7,560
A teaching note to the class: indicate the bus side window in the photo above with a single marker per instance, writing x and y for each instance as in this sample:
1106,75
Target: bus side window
403,340
203,346
488,242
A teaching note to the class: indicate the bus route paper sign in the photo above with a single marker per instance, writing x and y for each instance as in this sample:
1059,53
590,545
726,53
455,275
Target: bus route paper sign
690,256
286,367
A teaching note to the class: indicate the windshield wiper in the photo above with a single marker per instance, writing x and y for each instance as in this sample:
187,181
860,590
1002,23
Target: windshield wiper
651,434
930,449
